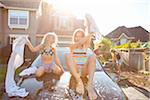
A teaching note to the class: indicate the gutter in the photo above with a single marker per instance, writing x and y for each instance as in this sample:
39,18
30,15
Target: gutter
1,5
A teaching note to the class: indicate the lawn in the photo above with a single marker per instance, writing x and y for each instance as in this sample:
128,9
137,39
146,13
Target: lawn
2,73
3,70
2,78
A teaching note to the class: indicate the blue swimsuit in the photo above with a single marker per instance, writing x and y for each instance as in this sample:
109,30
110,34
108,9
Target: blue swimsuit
80,56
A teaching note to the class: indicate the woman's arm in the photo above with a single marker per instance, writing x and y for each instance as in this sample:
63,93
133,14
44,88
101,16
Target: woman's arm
58,61
88,43
33,49
84,41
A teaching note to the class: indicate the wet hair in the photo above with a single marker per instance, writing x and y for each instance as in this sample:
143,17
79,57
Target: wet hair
50,34
75,32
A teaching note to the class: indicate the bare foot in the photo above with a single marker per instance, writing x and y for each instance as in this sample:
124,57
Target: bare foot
91,93
80,87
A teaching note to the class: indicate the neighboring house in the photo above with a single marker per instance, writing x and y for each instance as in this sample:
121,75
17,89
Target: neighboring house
123,34
33,18
19,18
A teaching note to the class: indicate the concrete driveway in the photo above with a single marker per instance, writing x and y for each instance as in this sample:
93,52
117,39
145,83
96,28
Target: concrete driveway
132,92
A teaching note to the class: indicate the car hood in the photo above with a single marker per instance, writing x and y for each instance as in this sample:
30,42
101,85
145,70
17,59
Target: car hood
104,86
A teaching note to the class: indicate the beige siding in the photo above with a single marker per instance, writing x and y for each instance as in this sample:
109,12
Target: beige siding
1,34
38,40
31,31
33,25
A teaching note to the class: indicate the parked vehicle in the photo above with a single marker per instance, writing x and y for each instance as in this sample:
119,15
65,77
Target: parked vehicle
52,87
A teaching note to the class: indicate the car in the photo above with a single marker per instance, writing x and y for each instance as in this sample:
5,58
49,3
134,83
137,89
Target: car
104,86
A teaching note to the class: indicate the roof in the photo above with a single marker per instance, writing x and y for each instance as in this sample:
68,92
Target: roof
1,5
139,33
30,4
117,32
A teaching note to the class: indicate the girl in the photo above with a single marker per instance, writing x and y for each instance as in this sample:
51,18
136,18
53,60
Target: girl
50,61
82,64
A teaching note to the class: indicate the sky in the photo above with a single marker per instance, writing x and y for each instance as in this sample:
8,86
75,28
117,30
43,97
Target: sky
110,14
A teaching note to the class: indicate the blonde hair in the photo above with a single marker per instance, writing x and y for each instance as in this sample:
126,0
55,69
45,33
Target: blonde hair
50,34
75,32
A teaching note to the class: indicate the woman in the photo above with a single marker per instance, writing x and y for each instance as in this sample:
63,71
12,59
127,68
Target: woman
80,63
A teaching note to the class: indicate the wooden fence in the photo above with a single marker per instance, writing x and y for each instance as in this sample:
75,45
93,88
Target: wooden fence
135,58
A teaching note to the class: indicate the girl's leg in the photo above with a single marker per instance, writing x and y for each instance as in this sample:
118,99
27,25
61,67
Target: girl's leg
118,69
73,70
91,69
57,70
39,72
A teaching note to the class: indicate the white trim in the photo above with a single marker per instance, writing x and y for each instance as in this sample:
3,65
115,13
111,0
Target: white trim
17,8
123,34
39,10
17,35
39,35
1,5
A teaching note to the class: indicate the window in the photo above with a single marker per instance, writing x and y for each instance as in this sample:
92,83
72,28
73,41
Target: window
116,43
123,39
64,23
13,20
18,19
23,20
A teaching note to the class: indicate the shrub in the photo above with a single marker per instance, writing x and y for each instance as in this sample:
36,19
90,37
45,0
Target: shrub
103,47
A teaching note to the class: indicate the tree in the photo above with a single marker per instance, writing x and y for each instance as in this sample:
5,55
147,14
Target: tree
103,49
105,43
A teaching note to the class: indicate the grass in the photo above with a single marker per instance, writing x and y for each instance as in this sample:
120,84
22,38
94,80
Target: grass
2,73
3,70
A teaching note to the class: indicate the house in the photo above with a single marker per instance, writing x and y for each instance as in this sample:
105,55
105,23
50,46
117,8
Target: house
33,18
19,18
123,34
62,24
